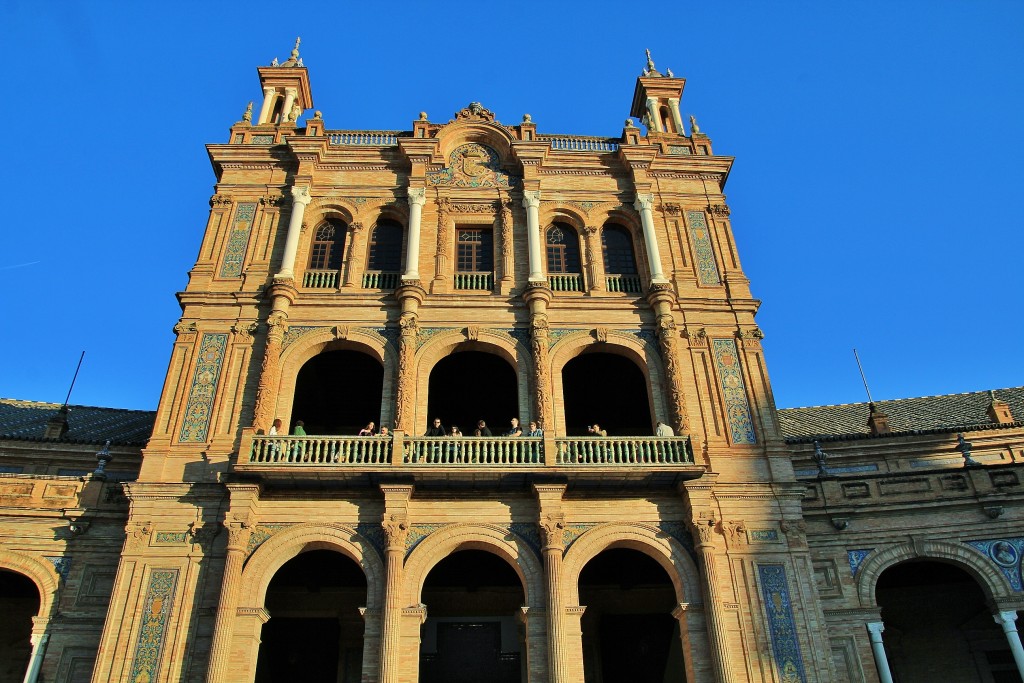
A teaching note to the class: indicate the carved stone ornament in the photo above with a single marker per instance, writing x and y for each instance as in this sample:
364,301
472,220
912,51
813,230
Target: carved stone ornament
474,111
220,200
277,322
272,200
138,535
244,330
601,334
671,209
203,534
472,333
396,527
355,227
754,333
720,210
733,530
552,526
488,208
340,331
185,328
698,336
703,531
407,323
795,530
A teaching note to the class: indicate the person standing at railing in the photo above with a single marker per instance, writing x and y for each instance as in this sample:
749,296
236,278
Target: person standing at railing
457,446
534,430
600,452
437,429
299,449
275,447
384,432
516,429
482,430
368,430
664,430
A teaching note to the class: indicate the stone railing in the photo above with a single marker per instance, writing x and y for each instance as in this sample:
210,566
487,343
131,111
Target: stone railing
629,284
378,138
379,279
285,452
481,281
623,450
565,282
320,279
433,450
581,143
320,450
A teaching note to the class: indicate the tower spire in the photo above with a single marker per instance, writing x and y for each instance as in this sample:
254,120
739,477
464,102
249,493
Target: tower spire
650,70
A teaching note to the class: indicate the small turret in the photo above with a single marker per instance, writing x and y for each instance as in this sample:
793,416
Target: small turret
286,92
656,100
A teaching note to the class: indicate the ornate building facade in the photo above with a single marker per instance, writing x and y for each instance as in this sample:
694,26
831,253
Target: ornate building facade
657,521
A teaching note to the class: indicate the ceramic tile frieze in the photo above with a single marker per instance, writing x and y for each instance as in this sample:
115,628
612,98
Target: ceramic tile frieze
204,388
737,409
856,558
1005,554
472,165
238,240
778,607
704,253
155,613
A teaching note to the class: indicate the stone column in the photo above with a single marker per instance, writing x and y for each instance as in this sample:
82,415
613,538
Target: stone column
677,118
507,263
644,203
268,99
35,663
300,200
409,295
680,613
660,297
537,296
220,647
289,100
531,200
355,255
417,198
594,263
653,116
396,528
444,210
266,391
1007,620
552,526
703,534
875,629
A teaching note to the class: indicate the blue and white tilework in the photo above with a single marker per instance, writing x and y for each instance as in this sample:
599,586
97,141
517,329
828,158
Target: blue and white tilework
737,410
238,241
703,252
781,624
856,557
155,613
1005,554
204,387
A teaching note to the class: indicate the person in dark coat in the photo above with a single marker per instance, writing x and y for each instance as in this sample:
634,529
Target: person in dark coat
481,429
437,429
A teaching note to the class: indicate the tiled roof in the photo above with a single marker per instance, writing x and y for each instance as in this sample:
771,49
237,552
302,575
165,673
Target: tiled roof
26,421
948,413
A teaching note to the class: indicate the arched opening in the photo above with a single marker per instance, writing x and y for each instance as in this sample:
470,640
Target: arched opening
668,124
338,392
385,249
938,627
468,386
608,389
617,248
563,256
19,602
328,245
472,632
629,633
277,112
315,631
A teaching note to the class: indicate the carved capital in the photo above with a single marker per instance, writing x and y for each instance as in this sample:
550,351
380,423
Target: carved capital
644,201
396,527
203,534
796,531
671,209
407,323
531,198
721,210
552,526
183,327
138,534
244,330
698,336
219,200
301,196
590,230
417,196
733,530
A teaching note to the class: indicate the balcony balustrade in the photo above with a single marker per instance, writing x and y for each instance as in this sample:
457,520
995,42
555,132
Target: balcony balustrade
320,279
479,281
489,453
378,279
630,284
376,138
565,282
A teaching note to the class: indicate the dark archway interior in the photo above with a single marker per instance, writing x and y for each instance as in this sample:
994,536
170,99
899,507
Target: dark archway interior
608,389
629,633
19,602
938,627
315,632
471,633
338,392
468,386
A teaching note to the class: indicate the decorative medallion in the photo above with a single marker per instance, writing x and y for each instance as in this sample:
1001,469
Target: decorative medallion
1005,553
204,387
473,165
238,240
781,624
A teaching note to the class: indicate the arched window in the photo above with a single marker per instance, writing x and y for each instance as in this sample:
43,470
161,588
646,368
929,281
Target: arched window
328,246
617,246
385,252
668,124
563,248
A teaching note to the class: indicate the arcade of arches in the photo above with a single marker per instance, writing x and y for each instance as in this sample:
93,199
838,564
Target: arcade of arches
19,602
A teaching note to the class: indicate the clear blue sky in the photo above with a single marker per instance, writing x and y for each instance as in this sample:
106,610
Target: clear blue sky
876,194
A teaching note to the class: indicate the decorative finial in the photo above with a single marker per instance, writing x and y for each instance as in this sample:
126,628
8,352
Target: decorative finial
992,395
247,116
295,50
694,128
820,457
423,116
964,446
296,111
629,123
527,118
669,74
274,62
318,115
650,70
